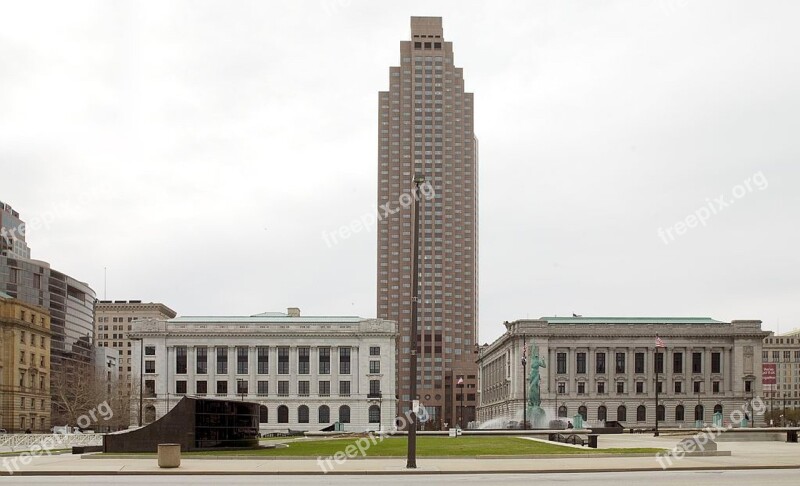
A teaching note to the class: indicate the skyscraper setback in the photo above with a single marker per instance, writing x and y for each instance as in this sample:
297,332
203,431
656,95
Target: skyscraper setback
426,127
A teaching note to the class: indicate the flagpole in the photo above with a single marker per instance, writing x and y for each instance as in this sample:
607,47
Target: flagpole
655,363
524,388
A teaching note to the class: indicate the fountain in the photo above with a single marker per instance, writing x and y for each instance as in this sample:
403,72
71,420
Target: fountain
536,414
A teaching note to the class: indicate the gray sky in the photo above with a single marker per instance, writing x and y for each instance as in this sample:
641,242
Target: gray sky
200,149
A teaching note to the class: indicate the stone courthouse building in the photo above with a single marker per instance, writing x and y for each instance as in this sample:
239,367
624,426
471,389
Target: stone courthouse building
603,368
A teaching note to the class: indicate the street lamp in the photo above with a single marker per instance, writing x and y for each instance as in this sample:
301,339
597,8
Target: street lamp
460,384
141,378
411,462
784,410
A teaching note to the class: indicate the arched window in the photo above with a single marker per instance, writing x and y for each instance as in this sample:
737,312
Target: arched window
263,414
283,414
602,413
374,414
562,411
149,414
344,414
302,414
718,408
622,413
641,413
324,414
679,413
698,412
661,413
582,412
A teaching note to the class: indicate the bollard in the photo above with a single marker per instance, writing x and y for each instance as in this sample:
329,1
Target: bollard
169,455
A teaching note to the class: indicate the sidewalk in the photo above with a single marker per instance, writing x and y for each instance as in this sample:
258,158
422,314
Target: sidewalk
745,455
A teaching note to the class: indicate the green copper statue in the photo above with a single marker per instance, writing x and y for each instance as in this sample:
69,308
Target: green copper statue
535,412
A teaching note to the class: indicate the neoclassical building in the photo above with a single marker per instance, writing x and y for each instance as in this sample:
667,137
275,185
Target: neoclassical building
603,368
306,372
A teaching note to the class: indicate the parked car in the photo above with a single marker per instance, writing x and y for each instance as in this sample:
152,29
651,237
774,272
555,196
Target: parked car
3,431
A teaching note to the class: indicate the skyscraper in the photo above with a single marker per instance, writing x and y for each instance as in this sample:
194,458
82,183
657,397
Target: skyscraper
426,127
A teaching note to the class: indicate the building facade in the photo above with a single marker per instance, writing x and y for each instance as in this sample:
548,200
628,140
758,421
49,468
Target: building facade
24,366
12,233
605,369
307,373
784,352
113,321
426,127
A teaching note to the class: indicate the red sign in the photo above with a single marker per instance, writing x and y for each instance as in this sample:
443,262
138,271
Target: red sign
769,373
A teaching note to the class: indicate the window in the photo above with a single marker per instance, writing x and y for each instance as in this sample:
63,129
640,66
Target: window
222,387
263,388
620,387
149,366
659,362
601,387
374,350
344,414
620,363
324,388
374,366
374,388
679,413
715,387
622,413
303,388
660,387
201,387
582,412
283,360
561,388
202,360
180,360
562,411
344,361
324,361
283,414
561,363
639,387
600,363
180,387
263,360
303,356
149,388
581,388
697,362
263,414
718,408
580,363
678,387
661,413
241,360
344,388
677,362
149,350
638,363
242,387
374,414
602,413
222,360
716,362
324,414
698,412
283,388
302,414
697,386
748,386
641,413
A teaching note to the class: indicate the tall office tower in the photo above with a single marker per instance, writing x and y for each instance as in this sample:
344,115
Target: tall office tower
426,127
12,233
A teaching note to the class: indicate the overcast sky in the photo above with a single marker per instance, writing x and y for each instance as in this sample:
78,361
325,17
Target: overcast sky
199,150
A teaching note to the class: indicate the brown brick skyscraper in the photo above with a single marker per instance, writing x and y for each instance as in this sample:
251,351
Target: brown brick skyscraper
426,126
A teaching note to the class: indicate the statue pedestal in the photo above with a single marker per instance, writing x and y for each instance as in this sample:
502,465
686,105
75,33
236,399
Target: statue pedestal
537,417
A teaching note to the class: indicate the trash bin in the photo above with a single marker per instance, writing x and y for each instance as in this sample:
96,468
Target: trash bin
169,455
593,441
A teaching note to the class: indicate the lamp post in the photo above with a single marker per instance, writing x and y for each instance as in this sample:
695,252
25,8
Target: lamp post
784,411
141,379
656,366
524,385
411,462
240,388
461,409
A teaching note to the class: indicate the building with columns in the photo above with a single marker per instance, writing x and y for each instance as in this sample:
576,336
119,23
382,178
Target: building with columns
604,368
306,372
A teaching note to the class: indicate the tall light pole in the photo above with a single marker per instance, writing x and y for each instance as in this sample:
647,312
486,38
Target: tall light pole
141,379
411,462
461,409
524,385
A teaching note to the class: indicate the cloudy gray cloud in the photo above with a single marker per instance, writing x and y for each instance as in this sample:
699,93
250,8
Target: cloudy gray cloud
199,150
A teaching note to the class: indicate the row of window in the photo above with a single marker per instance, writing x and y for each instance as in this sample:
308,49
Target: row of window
638,362
780,356
641,412
30,338
323,414
716,387
262,388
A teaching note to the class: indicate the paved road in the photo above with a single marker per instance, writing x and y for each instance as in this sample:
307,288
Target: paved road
771,477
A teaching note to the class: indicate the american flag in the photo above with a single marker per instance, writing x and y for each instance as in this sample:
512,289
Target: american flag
524,350
660,342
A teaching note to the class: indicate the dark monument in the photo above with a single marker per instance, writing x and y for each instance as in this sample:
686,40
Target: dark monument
196,424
